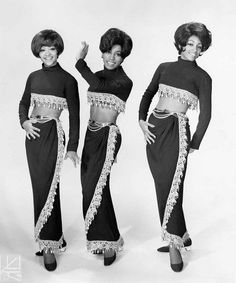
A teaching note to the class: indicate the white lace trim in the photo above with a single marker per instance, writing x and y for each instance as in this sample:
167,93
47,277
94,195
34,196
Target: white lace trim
94,246
48,245
106,100
49,101
97,197
174,190
48,207
181,95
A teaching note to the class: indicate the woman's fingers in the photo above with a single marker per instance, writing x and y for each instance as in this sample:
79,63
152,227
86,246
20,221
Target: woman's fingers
149,139
35,129
150,125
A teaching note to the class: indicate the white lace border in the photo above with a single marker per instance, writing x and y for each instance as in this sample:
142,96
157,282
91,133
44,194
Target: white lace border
48,207
106,100
97,197
101,246
181,95
175,240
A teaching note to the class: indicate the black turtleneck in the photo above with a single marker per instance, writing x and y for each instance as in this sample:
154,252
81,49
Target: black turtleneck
106,81
186,75
57,82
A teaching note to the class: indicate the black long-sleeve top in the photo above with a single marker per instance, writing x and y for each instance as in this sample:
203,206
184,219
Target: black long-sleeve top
54,81
188,76
115,81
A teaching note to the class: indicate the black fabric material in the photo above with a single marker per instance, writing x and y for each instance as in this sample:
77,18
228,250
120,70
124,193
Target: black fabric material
104,226
57,82
186,75
42,156
106,81
162,158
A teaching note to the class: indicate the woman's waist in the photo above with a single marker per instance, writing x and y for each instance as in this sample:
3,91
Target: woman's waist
94,125
164,113
103,115
41,113
171,105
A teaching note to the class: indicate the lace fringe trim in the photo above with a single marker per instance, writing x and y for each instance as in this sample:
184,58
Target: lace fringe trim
181,95
106,100
49,101
98,246
48,207
53,246
175,240
174,190
97,197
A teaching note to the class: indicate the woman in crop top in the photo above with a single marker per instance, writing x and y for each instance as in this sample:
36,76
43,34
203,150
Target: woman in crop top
108,91
180,85
49,91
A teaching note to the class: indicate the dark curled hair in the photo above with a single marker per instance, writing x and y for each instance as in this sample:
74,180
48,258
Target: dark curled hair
47,37
115,36
184,31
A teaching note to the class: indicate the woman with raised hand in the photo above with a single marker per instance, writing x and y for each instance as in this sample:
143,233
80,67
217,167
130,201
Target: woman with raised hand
49,91
108,92
180,86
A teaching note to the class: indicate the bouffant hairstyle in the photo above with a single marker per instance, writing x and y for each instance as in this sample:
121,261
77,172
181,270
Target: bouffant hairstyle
47,37
184,31
113,37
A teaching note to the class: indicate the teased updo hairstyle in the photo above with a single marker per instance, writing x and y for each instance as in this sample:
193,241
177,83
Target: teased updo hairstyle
47,37
113,37
184,31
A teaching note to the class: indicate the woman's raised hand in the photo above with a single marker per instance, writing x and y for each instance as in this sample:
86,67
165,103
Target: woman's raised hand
83,51
31,131
149,137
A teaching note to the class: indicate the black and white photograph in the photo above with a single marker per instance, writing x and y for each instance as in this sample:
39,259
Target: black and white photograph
118,141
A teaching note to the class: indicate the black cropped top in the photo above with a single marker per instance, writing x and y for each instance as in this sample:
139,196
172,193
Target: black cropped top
188,83
106,87
55,88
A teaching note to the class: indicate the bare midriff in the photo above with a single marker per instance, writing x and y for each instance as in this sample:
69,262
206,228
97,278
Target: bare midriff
46,112
103,114
171,105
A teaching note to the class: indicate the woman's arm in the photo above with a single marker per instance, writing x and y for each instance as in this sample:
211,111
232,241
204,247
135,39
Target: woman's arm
72,97
99,82
149,94
25,102
204,118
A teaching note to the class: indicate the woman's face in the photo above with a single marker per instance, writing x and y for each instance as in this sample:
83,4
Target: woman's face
112,58
48,55
192,49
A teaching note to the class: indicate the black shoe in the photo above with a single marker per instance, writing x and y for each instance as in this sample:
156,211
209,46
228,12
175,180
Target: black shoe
175,256
177,267
187,246
108,260
62,249
51,266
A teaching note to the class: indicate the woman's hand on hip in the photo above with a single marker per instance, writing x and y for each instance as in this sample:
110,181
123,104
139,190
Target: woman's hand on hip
31,131
149,137
83,51
72,155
